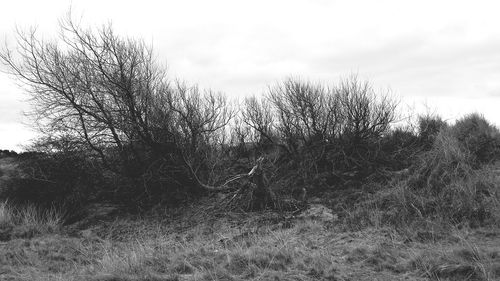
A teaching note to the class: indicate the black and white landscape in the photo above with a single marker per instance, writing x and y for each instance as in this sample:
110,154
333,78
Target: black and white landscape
259,140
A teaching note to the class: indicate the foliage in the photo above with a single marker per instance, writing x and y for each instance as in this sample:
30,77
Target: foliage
316,135
61,179
479,137
428,127
116,127
444,184
399,148
98,95
108,98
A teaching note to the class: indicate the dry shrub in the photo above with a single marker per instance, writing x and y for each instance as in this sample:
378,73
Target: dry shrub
61,179
429,126
323,136
446,161
479,137
449,183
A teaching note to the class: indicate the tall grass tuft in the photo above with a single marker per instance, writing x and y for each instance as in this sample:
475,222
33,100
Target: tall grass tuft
6,214
30,218
46,220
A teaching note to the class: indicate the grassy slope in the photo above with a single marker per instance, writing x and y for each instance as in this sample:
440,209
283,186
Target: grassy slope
201,244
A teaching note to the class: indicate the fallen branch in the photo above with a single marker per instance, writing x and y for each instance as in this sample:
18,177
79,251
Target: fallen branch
224,186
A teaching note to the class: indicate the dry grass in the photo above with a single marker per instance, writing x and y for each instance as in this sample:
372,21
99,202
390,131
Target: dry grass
225,255
462,261
439,223
27,221
249,250
6,213
445,186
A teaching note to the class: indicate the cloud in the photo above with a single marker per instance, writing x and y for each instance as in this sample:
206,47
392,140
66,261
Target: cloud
15,136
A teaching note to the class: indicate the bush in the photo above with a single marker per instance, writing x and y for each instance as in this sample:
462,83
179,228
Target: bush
444,184
328,131
428,128
471,200
446,161
399,148
479,137
57,179
120,103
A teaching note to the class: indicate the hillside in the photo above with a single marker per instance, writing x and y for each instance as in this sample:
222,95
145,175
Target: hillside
438,219
197,242
137,175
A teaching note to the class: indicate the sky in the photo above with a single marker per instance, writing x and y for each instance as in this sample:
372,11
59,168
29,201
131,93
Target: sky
434,56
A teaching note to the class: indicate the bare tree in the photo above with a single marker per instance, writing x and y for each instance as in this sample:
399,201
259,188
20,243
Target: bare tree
241,136
201,120
257,114
94,86
366,115
302,110
325,129
110,96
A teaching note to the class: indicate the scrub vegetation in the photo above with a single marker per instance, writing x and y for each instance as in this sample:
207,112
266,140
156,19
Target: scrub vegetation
139,176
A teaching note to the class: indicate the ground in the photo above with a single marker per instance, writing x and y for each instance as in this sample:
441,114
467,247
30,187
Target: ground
200,242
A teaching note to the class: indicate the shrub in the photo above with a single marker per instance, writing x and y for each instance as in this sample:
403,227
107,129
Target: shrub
428,128
479,137
447,160
328,131
57,179
399,148
120,103
444,184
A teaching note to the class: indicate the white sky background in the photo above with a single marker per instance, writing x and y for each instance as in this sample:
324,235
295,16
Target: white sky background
443,55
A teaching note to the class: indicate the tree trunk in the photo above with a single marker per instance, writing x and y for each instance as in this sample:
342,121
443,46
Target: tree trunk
262,196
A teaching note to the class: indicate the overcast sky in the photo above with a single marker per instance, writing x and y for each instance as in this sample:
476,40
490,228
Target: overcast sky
440,55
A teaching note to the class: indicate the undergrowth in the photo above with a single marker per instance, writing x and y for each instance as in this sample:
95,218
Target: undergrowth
308,250
453,183
27,221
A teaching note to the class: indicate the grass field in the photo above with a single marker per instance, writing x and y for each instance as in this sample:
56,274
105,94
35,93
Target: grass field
436,220
190,244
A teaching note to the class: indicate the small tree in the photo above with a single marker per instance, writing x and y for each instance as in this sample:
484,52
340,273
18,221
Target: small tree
302,111
108,95
366,116
96,87
479,137
325,130
429,127
257,115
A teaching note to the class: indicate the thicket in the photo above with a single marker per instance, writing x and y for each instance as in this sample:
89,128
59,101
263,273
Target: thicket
59,179
117,128
320,137
102,99
455,181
